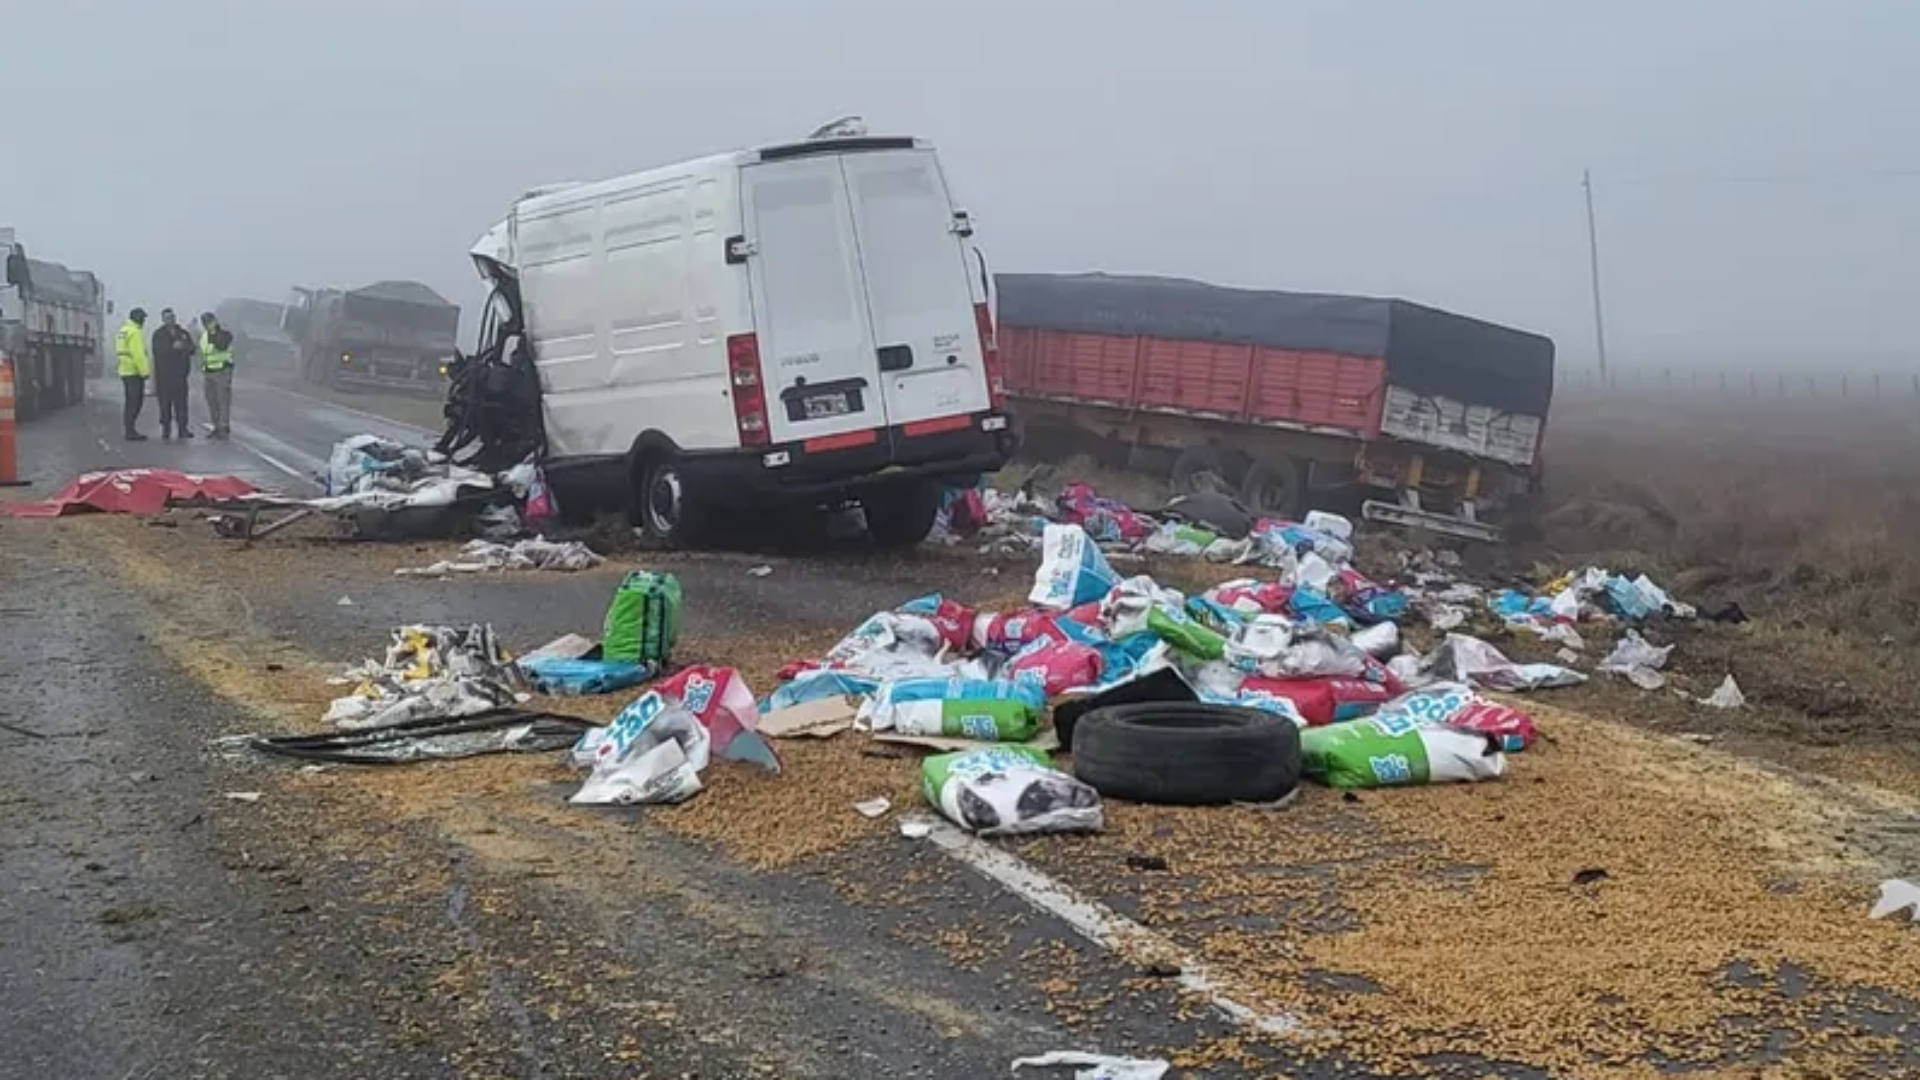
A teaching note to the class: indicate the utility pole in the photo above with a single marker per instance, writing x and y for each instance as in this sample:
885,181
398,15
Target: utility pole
1593,266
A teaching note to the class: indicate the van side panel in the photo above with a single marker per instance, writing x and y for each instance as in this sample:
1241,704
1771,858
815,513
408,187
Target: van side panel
918,285
627,292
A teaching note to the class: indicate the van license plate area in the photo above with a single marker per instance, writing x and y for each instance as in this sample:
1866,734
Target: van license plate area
823,402
827,406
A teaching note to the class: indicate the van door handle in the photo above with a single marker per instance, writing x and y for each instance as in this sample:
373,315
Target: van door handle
895,357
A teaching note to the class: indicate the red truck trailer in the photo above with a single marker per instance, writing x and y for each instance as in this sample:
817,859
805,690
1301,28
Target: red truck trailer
1434,420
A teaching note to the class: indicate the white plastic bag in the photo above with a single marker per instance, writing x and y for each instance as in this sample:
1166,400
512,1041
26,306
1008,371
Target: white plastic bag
1097,1066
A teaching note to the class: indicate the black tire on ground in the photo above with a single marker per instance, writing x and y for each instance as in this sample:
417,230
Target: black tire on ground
1187,753
1275,486
660,506
900,516
1203,468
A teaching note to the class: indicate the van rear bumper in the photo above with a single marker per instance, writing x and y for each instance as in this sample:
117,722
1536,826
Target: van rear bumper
792,470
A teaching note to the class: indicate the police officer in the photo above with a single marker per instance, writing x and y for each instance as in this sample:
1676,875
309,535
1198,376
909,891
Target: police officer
216,362
130,346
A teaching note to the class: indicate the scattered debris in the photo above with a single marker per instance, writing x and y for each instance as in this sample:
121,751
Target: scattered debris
1097,1066
244,796
538,553
497,731
1725,696
760,571
134,491
1897,895
874,808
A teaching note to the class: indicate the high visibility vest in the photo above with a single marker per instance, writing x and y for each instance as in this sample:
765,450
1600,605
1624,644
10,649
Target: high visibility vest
130,345
215,359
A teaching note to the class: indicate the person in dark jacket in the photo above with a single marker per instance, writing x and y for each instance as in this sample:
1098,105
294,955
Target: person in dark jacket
173,352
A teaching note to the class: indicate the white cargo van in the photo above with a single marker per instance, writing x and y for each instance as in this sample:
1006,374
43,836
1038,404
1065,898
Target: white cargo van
804,323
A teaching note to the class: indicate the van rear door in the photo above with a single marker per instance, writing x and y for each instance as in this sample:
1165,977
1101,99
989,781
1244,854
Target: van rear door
918,289
819,368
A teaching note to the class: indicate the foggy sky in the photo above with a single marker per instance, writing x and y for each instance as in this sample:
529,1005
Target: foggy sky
1747,153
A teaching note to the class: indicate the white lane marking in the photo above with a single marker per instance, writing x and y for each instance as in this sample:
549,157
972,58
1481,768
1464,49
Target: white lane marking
305,466
1102,925
351,411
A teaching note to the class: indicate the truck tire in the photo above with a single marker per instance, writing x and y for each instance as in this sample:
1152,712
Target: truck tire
901,516
1275,486
666,517
1203,468
1187,753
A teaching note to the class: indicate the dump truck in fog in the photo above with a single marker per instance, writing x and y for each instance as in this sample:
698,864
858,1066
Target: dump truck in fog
53,328
1288,400
392,335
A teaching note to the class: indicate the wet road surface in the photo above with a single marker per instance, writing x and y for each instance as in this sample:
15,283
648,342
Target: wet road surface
160,921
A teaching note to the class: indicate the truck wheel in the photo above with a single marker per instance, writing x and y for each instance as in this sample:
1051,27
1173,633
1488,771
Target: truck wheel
1275,487
1203,468
901,516
660,505
1187,753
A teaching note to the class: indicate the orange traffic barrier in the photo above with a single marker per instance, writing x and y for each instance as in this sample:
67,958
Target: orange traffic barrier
9,458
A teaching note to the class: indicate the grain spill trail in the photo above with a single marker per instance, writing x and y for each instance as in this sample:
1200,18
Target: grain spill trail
1618,897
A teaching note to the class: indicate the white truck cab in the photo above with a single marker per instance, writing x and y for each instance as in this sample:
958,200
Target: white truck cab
802,322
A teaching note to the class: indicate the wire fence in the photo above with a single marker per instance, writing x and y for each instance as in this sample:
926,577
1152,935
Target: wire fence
1812,383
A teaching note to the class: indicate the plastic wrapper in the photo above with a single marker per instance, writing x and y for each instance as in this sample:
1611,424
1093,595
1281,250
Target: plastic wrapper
1366,600
1380,641
1638,661
995,710
1179,538
1461,658
1058,664
1008,790
1386,751
1250,597
1320,701
568,677
815,684
1178,629
1456,705
1276,648
720,700
1072,570
653,752
953,620
889,644
1012,631
1102,518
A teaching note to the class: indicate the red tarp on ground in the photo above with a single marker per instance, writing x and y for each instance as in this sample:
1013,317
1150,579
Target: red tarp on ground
132,491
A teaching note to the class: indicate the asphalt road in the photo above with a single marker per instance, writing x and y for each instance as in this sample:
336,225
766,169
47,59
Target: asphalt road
160,922
169,909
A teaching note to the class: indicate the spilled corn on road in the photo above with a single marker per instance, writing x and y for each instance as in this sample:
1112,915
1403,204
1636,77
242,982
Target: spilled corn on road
1622,905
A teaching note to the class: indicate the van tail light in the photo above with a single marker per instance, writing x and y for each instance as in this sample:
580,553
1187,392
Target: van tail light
990,356
749,396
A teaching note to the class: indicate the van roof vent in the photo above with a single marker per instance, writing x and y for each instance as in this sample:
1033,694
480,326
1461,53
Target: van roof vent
847,127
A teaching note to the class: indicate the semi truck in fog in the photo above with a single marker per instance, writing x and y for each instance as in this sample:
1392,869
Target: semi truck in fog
260,341
1422,417
391,335
52,326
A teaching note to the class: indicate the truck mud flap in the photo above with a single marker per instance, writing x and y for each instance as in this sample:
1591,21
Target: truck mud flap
1444,524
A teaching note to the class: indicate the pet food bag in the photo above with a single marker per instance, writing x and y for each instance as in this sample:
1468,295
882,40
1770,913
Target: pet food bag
1394,752
643,622
1005,790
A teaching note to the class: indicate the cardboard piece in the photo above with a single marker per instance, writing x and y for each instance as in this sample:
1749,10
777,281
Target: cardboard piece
1047,742
817,719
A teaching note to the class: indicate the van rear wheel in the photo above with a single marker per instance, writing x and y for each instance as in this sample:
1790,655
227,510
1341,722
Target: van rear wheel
660,507
901,516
